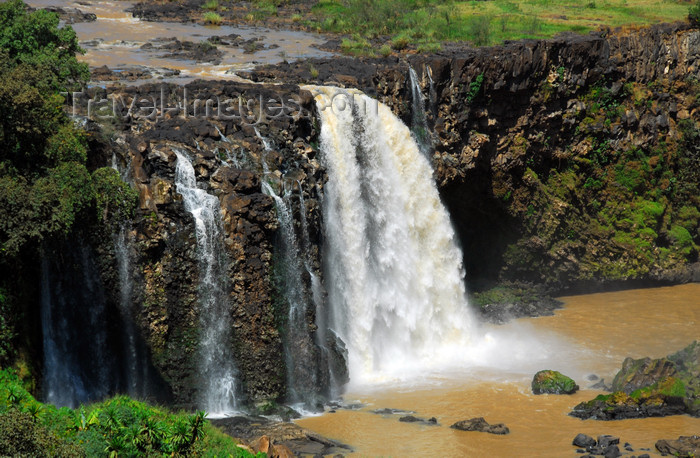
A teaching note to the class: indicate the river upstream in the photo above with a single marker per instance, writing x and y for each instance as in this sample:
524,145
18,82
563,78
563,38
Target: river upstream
592,334
587,339
117,39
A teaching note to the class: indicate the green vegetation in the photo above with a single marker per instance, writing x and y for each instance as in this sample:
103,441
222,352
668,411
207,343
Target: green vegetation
620,210
694,13
211,5
553,382
421,22
116,427
46,187
212,18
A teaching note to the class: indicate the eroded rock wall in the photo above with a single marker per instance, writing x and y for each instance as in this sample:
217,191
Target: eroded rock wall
569,162
228,157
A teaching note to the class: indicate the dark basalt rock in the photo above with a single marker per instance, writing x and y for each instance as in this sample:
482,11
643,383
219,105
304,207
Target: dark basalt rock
650,388
684,446
479,424
583,440
387,411
411,419
300,441
70,15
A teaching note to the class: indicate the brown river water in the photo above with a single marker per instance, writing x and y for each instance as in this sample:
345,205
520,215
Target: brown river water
116,37
592,334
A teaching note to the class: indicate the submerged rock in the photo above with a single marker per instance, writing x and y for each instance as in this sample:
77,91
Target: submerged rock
481,425
411,419
553,382
650,388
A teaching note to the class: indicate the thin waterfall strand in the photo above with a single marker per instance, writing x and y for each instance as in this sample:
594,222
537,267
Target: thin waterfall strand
419,122
217,368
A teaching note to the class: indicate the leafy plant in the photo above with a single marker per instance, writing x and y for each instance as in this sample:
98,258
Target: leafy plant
212,18
475,87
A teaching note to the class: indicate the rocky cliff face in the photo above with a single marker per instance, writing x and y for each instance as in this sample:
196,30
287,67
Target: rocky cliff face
231,158
566,162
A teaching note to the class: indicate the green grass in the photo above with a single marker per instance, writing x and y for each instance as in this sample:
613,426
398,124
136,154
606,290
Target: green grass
212,18
211,5
422,22
118,426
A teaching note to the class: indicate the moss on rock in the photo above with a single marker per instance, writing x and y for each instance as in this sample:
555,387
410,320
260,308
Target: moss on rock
553,382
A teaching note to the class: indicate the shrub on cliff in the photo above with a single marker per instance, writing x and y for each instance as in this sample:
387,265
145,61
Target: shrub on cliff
694,14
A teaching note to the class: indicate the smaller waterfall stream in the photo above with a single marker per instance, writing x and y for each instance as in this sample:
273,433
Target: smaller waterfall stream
419,123
78,364
217,368
292,264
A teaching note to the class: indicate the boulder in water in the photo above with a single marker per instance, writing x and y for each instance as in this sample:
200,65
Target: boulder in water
650,388
553,382
684,446
411,419
481,425
583,440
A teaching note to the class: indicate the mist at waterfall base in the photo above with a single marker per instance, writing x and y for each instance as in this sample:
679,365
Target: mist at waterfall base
393,267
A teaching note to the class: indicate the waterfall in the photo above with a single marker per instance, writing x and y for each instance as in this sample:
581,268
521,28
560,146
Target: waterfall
217,369
301,361
419,123
78,364
135,358
392,266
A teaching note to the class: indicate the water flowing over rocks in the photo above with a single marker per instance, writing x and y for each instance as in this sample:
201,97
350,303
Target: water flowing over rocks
519,131
229,161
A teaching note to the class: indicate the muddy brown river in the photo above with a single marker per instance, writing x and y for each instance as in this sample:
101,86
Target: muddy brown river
592,334
116,38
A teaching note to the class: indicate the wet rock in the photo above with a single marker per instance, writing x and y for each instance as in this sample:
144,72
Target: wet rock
553,382
71,15
612,451
387,411
262,432
607,440
650,388
583,440
479,424
513,300
636,374
684,446
412,419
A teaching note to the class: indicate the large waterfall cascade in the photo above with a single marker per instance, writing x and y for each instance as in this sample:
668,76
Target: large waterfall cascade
392,265
216,361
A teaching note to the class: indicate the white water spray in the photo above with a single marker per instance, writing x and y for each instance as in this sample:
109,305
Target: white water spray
217,369
393,269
